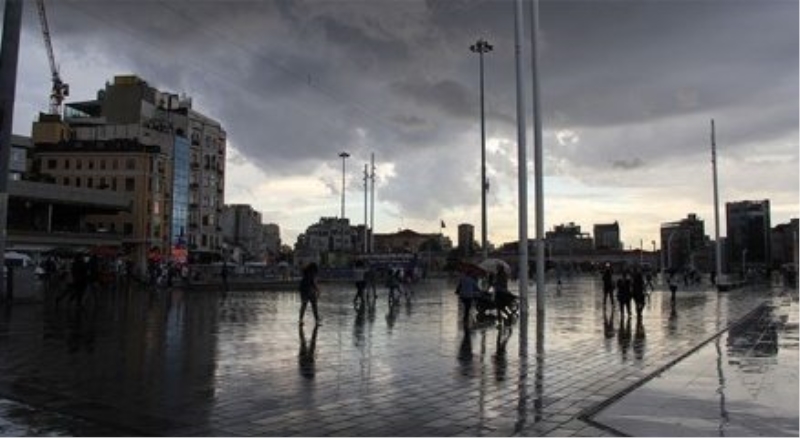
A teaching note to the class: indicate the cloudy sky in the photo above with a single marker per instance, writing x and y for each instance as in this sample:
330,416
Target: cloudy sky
628,91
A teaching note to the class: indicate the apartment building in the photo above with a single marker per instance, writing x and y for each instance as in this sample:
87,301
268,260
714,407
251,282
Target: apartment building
151,144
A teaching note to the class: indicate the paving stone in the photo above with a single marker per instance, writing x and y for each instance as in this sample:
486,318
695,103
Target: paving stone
176,361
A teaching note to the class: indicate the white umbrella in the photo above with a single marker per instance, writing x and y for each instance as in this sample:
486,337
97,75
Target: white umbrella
492,265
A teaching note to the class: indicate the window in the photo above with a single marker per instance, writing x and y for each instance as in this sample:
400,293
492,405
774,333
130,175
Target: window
66,164
130,184
66,181
90,182
127,229
115,164
114,184
77,182
130,164
51,164
103,184
102,164
90,165
78,164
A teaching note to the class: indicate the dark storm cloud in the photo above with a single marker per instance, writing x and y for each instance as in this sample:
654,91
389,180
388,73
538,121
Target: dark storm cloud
295,82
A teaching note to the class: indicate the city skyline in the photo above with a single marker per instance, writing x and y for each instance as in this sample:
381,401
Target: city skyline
296,83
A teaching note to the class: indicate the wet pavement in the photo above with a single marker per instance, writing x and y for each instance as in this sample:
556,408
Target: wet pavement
177,363
743,383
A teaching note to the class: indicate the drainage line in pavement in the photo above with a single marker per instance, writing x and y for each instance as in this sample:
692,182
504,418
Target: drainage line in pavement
588,413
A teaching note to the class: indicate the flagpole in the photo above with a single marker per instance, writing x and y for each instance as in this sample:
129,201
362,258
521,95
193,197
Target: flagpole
522,165
537,161
718,248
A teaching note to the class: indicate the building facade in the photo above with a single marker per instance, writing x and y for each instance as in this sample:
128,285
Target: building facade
466,239
748,226
153,145
607,237
242,228
567,239
784,244
682,242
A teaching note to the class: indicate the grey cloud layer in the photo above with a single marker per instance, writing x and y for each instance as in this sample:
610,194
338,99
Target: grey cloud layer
294,82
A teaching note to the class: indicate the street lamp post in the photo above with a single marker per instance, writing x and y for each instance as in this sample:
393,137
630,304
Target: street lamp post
481,47
344,156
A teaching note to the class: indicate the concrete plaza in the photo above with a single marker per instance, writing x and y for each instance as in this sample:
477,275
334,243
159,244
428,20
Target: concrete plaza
176,363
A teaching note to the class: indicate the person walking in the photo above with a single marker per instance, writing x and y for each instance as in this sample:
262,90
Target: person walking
359,273
608,287
673,287
309,292
503,298
467,291
637,291
624,294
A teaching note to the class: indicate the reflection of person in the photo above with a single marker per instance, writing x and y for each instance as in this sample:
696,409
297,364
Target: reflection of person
309,291
608,323
305,358
638,340
624,338
500,357
465,352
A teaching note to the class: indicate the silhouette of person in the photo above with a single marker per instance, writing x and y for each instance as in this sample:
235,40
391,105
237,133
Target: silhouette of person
306,359
467,291
637,291
624,294
608,286
673,287
80,279
309,291
359,276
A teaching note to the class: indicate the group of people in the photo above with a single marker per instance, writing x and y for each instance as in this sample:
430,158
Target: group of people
630,286
470,292
364,279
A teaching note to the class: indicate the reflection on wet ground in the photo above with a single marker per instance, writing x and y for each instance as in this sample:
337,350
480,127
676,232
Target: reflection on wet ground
743,383
176,363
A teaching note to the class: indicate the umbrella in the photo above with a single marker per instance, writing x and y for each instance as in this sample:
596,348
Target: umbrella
492,266
471,269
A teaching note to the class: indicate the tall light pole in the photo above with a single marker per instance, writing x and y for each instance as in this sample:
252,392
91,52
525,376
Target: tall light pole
366,189
344,156
481,47
717,243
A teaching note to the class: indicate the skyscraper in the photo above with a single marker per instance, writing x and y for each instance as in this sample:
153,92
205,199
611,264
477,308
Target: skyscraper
748,225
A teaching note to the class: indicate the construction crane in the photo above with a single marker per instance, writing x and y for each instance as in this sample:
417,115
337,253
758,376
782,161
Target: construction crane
60,89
